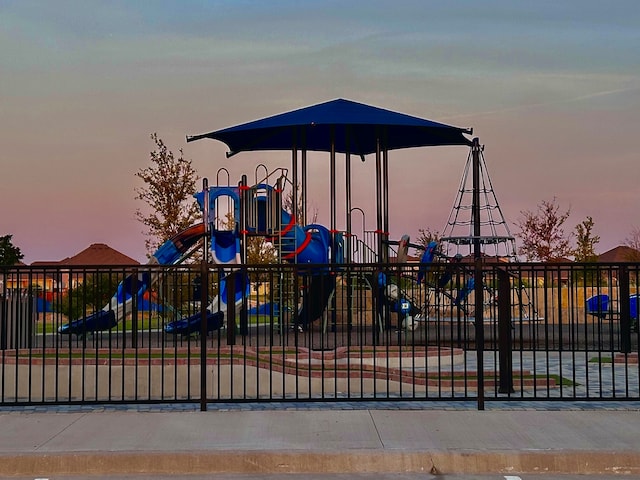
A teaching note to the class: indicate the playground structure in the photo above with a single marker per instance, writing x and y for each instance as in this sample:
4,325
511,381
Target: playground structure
232,214
332,315
603,307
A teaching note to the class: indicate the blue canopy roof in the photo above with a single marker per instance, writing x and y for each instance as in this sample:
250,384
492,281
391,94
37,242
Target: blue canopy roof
350,126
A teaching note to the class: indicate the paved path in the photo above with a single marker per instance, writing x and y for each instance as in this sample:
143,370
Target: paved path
433,438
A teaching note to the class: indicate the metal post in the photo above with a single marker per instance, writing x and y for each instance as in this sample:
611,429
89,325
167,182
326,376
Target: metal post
349,235
385,201
134,309
504,333
244,197
625,310
4,320
304,186
204,299
333,191
379,226
479,281
348,196
294,173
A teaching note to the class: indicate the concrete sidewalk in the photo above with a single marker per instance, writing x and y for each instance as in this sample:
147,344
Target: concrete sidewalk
319,441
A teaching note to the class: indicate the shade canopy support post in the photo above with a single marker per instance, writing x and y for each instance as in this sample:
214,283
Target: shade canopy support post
379,225
333,191
385,202
348,204
294,175
304,185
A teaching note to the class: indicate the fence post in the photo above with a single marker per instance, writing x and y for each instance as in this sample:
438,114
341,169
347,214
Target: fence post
505,352
625,310
204,298
4,322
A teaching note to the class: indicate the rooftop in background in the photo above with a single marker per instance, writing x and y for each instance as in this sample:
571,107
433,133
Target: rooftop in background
621,253
94,254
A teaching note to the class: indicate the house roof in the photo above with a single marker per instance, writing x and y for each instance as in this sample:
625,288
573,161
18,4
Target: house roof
99,254
621,253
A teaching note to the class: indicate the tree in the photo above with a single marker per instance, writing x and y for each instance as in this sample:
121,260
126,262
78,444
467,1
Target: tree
170,183
633,241
542,233
9,253
586,242
426,236
88,296
287,205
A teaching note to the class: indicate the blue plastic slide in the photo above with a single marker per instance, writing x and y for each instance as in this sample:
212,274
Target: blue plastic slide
189,325
171,252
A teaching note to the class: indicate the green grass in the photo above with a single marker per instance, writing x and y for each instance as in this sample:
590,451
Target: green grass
565,382
601,360
144,323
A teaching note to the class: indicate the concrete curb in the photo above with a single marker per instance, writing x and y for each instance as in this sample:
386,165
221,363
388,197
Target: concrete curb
281,462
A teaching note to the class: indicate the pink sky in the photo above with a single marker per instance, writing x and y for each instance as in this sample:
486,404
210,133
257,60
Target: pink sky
553,94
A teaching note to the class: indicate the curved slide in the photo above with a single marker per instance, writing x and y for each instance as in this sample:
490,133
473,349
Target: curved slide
173,251
215,311
309,244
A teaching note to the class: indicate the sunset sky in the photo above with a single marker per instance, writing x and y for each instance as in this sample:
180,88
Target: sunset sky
551,88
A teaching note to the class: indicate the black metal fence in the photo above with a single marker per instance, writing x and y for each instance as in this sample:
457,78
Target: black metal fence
287,332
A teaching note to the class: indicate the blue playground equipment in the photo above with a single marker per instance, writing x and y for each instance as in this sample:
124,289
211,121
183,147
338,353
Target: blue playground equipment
134,286
309,244
598,305
601,306
337,126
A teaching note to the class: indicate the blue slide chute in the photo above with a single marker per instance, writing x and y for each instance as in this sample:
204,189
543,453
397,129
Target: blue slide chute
191,324
171,252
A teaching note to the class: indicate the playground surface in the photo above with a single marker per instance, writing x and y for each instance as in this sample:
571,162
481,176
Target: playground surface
427,438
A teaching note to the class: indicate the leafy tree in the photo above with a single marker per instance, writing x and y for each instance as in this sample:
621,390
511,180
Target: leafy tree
87,297
170,183
542,233
259,250
9,253
287,205
633,241
586,242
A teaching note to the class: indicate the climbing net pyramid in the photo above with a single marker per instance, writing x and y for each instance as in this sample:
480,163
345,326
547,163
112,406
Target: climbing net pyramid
458,235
